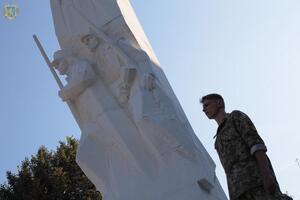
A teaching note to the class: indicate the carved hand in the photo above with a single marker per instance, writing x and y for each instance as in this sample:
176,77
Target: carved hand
63,95
124,93
149,81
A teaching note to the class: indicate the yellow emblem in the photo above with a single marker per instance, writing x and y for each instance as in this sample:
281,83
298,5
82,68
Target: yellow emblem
11,11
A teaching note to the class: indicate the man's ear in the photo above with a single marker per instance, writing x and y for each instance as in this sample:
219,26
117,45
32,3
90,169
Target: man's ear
220,104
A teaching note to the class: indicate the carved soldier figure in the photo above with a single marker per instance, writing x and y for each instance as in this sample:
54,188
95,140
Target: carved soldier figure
98,110
111,66
80,74
150,108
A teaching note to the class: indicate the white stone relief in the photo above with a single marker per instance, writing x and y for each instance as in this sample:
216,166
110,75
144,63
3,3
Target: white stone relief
80,74
136,142
112,67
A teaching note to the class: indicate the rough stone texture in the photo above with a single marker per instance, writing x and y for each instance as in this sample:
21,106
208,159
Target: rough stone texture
136,141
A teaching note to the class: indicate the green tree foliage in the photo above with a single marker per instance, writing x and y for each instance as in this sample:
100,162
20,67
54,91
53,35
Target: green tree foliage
50,175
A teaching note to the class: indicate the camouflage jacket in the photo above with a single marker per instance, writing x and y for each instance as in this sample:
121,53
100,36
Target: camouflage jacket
236,142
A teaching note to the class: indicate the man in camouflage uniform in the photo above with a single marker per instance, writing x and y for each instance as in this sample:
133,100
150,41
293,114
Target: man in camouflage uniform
242,153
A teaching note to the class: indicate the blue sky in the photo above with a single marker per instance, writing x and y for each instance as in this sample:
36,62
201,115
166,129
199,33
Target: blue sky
246,50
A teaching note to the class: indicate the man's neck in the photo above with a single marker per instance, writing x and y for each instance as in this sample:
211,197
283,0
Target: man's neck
220,116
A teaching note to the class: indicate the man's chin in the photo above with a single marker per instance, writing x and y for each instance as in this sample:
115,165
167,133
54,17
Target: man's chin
210,116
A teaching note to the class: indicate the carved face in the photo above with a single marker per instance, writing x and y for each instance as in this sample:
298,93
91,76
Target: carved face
91,41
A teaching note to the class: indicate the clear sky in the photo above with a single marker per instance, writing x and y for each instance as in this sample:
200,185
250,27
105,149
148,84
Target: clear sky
248,51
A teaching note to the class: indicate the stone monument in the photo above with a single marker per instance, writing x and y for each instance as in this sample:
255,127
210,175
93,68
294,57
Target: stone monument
136,142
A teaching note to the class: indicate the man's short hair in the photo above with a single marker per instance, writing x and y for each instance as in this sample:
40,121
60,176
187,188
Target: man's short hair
212,97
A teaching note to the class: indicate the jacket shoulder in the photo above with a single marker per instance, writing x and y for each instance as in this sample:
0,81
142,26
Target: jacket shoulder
236,113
